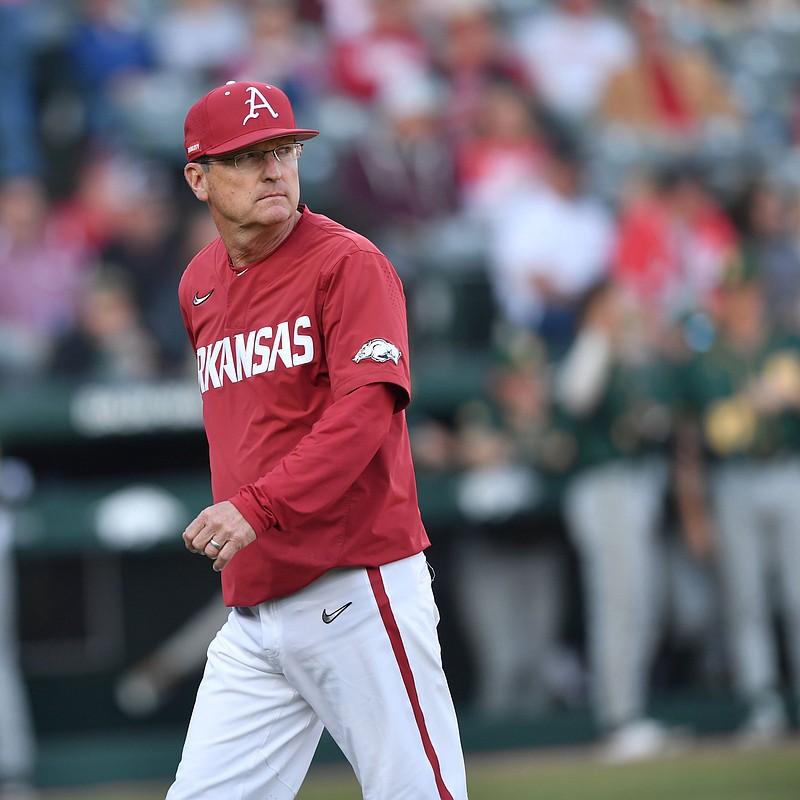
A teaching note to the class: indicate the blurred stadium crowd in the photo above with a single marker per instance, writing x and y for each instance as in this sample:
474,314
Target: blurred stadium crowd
614,187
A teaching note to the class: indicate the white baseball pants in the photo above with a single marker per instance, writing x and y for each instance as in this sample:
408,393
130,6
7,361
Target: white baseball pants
758,548
613,511
372,675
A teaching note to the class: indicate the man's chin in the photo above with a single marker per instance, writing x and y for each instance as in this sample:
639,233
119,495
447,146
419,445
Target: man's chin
274,213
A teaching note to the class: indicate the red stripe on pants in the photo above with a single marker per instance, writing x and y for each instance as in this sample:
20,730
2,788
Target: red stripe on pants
390,623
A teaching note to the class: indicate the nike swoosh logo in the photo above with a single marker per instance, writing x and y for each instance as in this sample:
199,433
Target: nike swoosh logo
328,618
196,300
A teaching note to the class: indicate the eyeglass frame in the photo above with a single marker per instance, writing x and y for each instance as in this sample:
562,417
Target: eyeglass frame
297,147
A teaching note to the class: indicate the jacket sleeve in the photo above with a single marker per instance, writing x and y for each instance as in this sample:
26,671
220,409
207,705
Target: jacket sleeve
324,464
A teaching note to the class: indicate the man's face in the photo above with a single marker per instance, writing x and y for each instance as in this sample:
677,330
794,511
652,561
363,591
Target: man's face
248,197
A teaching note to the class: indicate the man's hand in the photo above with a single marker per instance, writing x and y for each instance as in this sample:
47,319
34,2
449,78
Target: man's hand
218,532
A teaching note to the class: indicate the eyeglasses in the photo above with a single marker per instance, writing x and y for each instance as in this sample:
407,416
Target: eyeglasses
254,159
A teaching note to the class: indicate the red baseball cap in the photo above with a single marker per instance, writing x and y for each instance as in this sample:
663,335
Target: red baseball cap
237,114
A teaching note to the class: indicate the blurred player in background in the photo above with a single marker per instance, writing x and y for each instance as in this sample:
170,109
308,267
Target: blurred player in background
613,392
740,481
300,333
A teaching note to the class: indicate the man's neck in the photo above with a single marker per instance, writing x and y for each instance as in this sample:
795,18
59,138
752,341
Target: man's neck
248,250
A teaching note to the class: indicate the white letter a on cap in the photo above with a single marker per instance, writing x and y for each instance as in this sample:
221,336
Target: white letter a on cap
251,102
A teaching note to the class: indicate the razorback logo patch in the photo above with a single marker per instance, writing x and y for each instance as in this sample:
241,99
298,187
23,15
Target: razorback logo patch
378,350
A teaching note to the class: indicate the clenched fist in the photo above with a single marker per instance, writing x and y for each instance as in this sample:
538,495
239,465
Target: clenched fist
218,532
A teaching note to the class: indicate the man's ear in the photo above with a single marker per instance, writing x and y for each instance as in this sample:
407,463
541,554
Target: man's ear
196,178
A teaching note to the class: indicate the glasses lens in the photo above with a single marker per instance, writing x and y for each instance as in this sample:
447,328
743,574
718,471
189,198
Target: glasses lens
285,154
251,160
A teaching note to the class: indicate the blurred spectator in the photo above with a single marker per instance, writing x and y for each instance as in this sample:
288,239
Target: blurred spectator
19,135
674,241
108,49
108,341
472,58
42,266
390,50
95,212
739,469
195,45
503,151
671,95
146,246
763,218
17,739
613,391
200,39
571,48
399,181
511,558
548,243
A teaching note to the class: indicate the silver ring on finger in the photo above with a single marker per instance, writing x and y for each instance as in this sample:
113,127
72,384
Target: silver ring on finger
216,544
